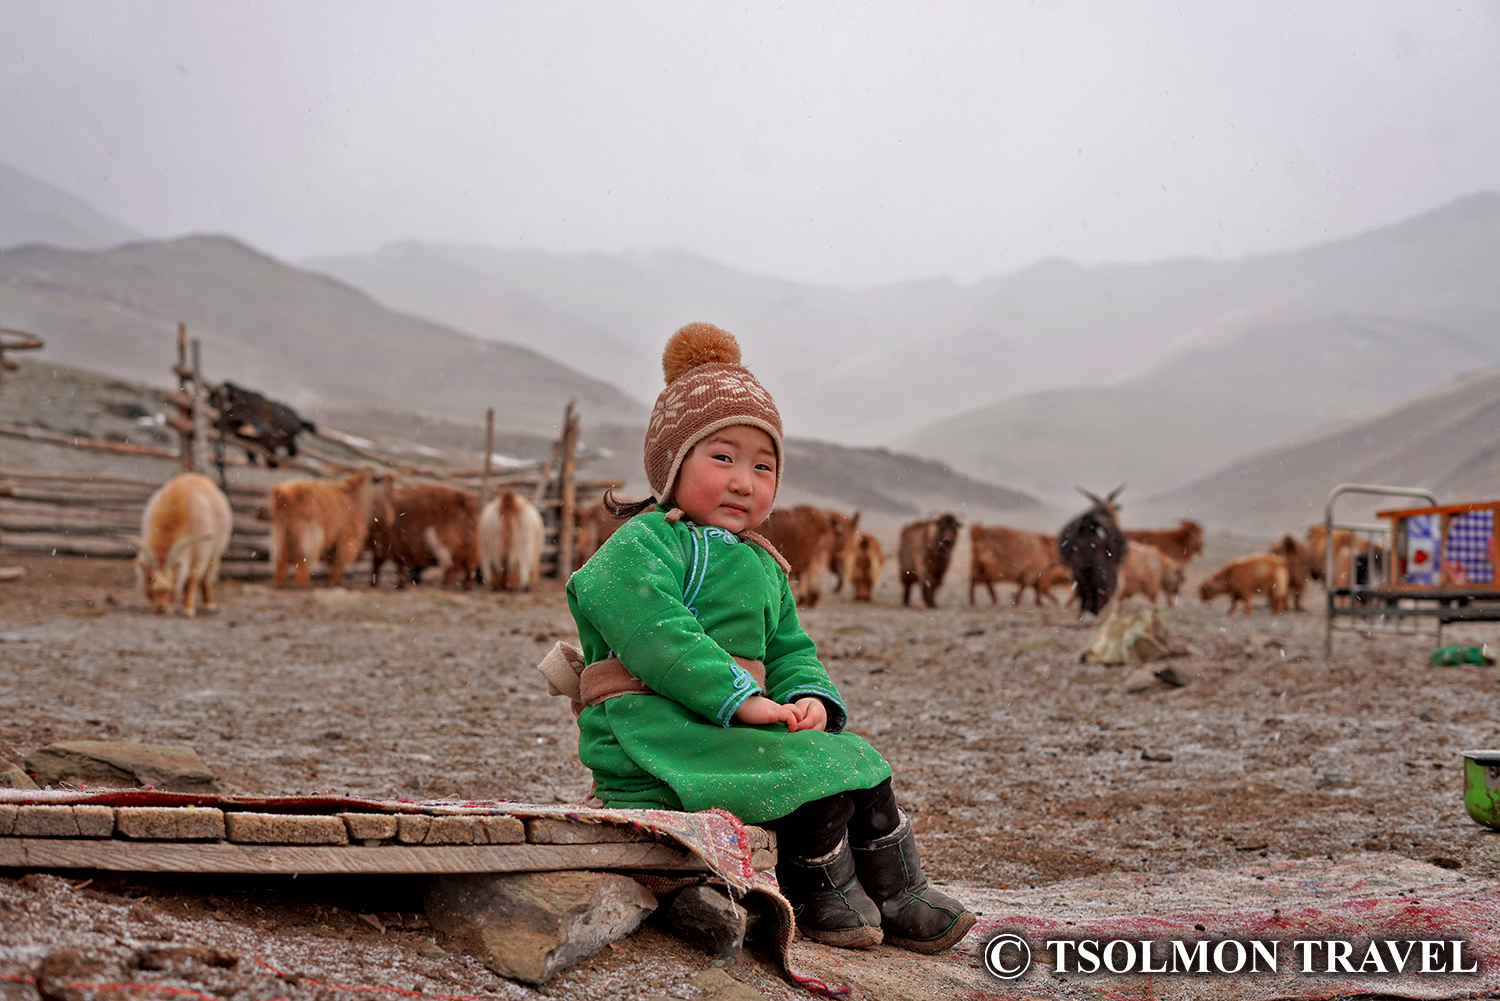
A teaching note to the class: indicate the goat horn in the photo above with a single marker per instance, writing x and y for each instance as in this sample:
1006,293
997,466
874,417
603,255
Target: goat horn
140,543
1092,497
181,544
1115,492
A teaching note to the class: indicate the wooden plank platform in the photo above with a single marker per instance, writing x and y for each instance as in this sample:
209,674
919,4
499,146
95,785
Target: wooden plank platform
220,856
238,839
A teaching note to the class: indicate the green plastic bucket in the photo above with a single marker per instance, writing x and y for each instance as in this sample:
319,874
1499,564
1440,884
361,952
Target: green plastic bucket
1482,786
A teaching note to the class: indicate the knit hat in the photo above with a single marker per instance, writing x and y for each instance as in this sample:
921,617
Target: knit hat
707,389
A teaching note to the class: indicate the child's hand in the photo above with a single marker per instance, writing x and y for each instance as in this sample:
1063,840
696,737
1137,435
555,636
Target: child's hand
810,714
759,709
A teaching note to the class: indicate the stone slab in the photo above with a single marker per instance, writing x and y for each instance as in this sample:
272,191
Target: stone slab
706,918
122,763
285,829
170,823
7,819
13,776
528,926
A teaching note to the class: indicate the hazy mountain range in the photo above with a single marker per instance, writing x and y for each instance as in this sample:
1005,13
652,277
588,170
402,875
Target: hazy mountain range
1444,440
303,338
32,211
1159,375
1058,374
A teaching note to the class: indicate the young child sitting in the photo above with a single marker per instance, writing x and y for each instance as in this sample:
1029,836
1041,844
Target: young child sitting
702,690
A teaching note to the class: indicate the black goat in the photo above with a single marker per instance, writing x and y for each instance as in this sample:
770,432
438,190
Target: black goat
244,413
1092,546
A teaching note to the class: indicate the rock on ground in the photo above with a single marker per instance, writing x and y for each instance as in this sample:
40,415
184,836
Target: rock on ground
528,926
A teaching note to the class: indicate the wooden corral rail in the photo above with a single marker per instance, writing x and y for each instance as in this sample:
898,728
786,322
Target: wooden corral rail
208,839
79,514
73,514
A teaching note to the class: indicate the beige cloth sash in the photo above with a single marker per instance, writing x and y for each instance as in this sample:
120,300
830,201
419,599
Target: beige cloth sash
590,684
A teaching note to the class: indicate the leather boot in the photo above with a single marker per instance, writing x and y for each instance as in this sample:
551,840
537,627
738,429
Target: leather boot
913,914
830,905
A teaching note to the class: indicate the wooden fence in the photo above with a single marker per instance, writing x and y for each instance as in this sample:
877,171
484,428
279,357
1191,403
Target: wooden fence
80,513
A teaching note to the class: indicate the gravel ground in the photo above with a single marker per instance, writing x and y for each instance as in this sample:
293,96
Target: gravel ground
1020,765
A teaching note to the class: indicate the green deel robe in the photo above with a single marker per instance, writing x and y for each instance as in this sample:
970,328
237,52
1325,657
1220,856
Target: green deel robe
674,601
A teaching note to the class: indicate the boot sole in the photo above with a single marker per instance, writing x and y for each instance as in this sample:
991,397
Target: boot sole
942,943
863,937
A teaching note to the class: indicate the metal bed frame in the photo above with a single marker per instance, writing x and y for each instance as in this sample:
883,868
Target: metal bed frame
1370,606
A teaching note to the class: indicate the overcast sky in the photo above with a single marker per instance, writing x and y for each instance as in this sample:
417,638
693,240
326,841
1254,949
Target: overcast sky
846,143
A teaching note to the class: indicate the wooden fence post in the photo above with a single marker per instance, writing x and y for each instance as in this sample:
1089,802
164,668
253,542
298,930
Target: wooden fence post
565,523
489,451
200,429
183,373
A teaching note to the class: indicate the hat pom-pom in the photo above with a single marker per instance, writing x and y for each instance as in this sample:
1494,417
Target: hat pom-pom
698,344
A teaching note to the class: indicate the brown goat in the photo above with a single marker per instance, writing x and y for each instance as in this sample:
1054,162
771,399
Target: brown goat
1299,565
926,550
804,537
416,527
1149,572
998,554
1182,543
865,560
595,525
315,520
845,529
1243,578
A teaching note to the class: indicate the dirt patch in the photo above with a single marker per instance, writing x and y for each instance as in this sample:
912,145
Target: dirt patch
1020,765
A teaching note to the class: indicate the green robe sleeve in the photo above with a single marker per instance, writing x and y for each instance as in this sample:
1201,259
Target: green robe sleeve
793,670
629,594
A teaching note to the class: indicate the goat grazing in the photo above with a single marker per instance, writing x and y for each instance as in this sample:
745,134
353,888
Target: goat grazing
185,529
510,542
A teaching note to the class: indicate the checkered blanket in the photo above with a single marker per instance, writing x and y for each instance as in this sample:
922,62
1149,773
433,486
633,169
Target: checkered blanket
1468,552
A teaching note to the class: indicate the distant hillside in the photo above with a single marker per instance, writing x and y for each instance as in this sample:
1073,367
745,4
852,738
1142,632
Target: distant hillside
1447,440
876,364
304,338
1160,429
1357,326
32,211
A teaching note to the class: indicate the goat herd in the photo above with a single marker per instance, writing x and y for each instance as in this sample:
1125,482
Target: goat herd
1092,556
186,525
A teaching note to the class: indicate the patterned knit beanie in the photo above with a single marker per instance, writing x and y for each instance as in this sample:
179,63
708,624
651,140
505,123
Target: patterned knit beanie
707,389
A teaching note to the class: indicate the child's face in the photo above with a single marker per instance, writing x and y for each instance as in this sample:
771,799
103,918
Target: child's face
729,479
